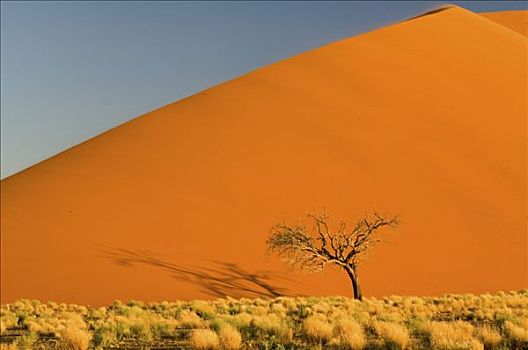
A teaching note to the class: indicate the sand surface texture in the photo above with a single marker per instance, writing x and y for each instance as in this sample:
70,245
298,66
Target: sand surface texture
425,118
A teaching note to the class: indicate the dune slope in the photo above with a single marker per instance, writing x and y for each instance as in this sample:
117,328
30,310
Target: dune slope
515,20
413,119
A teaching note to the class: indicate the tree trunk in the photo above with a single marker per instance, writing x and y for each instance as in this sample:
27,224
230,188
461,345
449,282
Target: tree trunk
355,282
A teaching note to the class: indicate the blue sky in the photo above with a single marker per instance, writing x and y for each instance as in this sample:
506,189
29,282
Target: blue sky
71,70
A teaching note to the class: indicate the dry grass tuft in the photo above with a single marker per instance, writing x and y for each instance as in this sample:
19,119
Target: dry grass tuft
27,341
230,338
516,332
393,334
75,339
351,334
271,324
452,335
318,328
488,336
190,319
204,339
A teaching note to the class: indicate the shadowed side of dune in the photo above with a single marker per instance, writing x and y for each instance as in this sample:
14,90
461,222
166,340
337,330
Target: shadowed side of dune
431,12
514,20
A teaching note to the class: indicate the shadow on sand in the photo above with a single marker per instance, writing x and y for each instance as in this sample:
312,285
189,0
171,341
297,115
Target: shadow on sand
431,12
220,279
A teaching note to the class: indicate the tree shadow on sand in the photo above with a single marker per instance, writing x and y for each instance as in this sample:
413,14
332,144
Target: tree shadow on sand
222,279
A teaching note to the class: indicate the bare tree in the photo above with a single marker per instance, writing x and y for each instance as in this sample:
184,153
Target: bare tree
313,249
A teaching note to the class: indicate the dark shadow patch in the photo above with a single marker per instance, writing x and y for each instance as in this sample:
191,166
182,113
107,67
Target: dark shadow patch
432,12
223,279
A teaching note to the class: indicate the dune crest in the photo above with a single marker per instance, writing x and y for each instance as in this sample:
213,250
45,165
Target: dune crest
414,119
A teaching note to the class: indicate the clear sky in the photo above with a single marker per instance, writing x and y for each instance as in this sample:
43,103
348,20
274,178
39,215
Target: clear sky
71,70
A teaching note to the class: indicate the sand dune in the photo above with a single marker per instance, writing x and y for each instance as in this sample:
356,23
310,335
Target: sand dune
515,20
425,118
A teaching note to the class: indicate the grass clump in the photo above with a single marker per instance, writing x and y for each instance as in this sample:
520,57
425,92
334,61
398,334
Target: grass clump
230,338
27,341
517,334
393,335
351,334
490,337
204,339
75,339
452,335
318,329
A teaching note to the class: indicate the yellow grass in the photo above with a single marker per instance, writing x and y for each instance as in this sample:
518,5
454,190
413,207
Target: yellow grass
318,328
8,347
392,334
452,335
75,339
204,339
494,321
488,336
351,334
190,319
517,332
230,338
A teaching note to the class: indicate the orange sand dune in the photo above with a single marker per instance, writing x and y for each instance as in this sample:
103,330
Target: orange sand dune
426,118
515,20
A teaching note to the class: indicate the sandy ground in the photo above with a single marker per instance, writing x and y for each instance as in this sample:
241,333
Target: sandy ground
425,119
